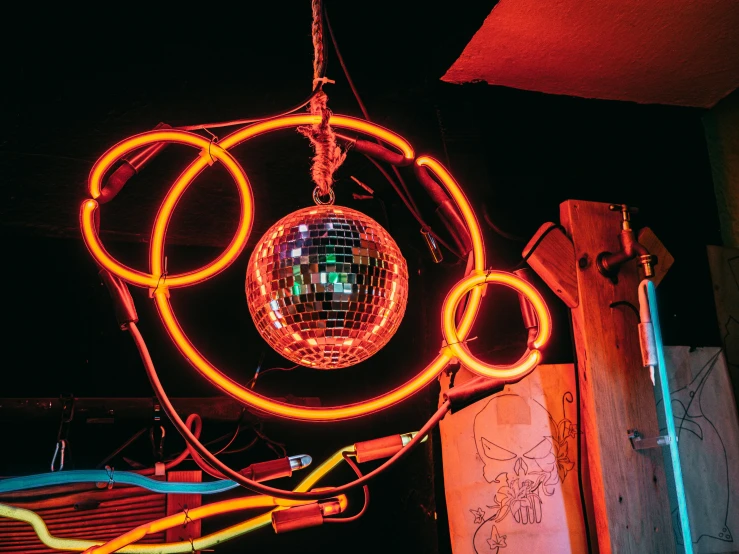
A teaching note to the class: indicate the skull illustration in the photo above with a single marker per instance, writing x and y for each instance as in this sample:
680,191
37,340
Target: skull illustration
513,437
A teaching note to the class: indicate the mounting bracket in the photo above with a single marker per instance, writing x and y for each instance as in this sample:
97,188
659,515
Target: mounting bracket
638,442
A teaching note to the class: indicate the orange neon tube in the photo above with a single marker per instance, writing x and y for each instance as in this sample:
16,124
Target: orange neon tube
210,152
162,524
241,393
290,411
153,280
156,257
201,512
247,396
454,339
468,215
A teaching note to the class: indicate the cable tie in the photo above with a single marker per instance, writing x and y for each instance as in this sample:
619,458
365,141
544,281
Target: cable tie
188,519
162,281
111,473
445,344
322,81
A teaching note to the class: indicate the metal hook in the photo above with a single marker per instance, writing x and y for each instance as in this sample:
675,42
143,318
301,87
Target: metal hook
57,450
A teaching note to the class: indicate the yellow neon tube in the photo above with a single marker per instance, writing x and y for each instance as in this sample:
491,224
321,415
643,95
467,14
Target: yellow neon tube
201,543
454,339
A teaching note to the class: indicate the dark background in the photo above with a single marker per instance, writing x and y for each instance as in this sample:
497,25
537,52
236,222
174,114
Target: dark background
76,83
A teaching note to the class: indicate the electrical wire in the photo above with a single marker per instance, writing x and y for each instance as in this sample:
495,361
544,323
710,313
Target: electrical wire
498,230
205,126
365,489
303,104
244,448
401,190
201,543
105,476
244,481
257,374
235,433
583,504
121,448
174,462
192,420
425,226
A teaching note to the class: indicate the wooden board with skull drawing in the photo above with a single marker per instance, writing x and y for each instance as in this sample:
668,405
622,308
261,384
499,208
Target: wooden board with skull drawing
510,468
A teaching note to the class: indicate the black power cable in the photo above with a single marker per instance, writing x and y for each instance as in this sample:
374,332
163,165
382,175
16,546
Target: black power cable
578,422
401,189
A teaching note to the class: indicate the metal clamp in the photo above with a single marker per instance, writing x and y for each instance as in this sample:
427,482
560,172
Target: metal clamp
638,442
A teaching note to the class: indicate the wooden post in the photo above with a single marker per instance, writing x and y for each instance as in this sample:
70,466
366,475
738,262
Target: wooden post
629,489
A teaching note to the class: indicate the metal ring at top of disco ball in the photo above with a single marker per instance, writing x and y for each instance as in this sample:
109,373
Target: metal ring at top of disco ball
317,197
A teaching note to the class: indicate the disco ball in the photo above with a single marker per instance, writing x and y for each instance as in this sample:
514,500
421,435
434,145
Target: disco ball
327,286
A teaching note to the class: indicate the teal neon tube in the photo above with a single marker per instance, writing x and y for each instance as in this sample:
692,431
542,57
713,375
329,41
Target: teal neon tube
117,477
682,505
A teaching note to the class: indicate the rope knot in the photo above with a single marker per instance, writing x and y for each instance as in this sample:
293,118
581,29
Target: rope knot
328,155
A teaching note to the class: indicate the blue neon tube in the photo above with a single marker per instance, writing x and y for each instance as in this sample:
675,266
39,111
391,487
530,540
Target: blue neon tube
117,477
682,505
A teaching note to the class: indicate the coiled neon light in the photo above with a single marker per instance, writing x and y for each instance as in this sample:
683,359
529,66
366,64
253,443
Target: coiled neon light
161,284
201,543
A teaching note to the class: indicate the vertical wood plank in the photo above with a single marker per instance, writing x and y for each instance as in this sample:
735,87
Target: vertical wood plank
631,507
179,502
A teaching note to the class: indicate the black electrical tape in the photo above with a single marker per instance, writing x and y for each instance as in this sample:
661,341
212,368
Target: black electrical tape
472,391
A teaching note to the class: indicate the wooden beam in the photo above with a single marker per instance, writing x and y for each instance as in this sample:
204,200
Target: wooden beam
629,488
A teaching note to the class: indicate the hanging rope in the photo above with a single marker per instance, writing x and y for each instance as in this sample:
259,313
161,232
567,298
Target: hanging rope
328,155
318,42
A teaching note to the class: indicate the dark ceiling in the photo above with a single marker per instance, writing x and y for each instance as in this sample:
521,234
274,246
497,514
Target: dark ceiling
80,81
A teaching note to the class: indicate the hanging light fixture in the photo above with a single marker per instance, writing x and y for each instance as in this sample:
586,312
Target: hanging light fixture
327,286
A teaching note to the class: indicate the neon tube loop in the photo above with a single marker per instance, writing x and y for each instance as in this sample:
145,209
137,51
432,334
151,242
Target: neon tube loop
209,153
454,344
161,286
291,411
